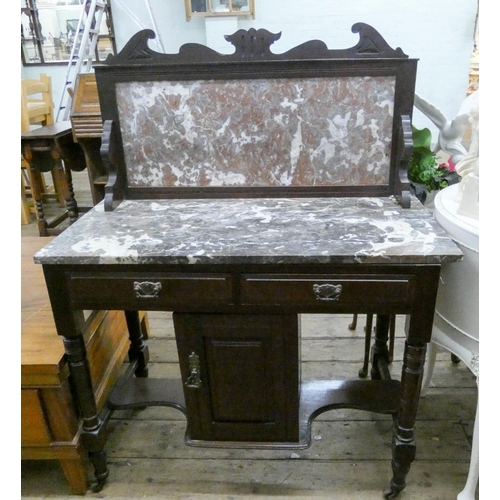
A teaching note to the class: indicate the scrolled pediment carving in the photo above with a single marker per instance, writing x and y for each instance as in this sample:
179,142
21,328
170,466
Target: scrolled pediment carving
254,44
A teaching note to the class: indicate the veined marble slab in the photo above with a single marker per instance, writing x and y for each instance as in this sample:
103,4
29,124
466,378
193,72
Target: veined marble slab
260,132
259,231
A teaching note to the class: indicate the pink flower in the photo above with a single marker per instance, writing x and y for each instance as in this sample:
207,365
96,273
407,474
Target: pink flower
448,165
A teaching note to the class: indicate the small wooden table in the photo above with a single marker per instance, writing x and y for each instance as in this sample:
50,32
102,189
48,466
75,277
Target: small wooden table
50,423
43,149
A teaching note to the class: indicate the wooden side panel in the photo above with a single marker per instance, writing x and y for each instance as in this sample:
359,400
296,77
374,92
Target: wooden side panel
61,412
34,430
106,350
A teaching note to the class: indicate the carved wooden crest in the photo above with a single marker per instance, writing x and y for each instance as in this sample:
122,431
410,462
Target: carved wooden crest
254,44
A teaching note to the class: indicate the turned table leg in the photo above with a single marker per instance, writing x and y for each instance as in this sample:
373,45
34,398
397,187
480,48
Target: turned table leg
138,350
36,194
380,350
93,432
69,194
403,443
418,331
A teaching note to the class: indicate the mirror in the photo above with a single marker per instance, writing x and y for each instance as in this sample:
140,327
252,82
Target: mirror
49,31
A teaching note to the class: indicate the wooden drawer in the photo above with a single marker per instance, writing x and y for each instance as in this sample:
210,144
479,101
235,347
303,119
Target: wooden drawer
328,291
150,292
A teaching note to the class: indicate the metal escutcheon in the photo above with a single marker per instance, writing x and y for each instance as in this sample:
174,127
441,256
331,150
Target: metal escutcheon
147,289
328,291
194,378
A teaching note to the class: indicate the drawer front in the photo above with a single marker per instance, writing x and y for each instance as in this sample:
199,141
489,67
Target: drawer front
326,291
155,291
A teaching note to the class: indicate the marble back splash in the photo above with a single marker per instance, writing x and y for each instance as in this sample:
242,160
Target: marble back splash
258,132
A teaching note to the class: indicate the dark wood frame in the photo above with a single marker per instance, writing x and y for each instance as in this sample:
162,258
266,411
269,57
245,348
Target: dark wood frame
371,56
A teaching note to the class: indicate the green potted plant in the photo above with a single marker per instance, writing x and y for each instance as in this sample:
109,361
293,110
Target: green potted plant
426,174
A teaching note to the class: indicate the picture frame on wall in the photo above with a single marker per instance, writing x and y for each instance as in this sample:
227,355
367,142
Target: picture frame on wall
215,8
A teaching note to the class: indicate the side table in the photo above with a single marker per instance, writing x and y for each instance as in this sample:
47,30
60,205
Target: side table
44,149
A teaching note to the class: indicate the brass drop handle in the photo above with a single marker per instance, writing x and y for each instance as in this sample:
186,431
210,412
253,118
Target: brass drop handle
147,289
194,378
327,291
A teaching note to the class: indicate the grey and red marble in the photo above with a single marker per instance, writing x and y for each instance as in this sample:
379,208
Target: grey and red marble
272,132
254,231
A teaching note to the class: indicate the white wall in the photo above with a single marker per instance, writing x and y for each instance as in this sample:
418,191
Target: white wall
437,32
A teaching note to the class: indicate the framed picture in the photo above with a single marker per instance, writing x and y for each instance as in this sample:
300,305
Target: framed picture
214,8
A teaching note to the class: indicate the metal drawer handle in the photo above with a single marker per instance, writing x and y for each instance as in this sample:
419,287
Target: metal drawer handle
194,378
327,291
147,289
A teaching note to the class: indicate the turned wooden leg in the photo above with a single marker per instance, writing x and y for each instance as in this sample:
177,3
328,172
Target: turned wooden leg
93,429
354,323
56,181
138,350
368,339
69,194
392,337
36,194
380,349
403,444
64,179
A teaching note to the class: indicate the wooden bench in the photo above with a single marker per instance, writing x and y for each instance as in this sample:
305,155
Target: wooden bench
244,190
50,423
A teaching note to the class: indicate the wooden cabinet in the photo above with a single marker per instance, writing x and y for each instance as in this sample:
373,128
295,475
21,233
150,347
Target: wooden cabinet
240,375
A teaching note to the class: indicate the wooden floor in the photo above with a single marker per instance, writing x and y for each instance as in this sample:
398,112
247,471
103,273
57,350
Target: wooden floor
350,453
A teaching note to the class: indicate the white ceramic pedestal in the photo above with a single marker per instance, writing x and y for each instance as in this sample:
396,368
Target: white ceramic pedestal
456,320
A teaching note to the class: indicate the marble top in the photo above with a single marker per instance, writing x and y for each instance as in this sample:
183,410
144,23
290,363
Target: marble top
254,231
258,132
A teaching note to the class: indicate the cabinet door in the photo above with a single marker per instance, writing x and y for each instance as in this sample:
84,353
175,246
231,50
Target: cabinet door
241,376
